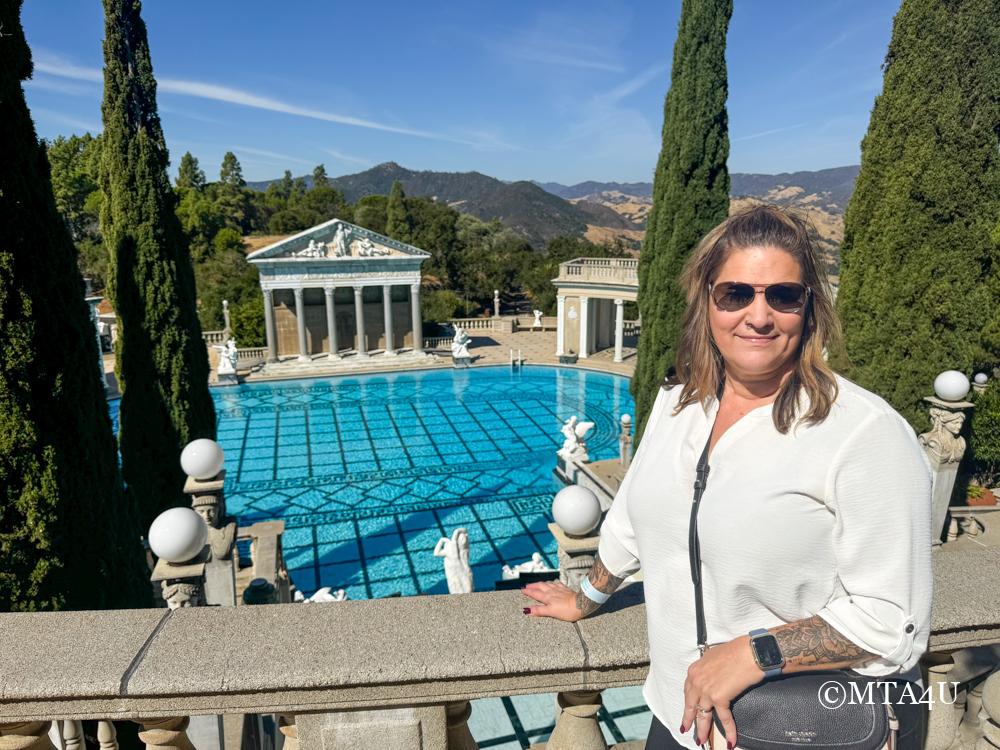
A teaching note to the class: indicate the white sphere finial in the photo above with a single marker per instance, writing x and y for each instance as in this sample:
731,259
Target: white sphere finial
577,510
981,378
626,419
951,385
178,535
202,458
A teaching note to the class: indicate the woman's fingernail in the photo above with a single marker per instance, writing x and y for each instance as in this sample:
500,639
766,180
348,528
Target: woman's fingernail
701,741
683,729
527,610
729,745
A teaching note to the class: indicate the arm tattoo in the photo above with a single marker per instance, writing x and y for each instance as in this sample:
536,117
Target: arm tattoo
602,580
813,642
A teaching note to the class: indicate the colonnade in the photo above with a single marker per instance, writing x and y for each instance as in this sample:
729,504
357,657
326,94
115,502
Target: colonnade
333,346
585,325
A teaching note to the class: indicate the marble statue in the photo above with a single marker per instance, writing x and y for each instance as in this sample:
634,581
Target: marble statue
455,552
538,318
944,441
226,365
227,323
221,536
181,594
325,594
574,447
460,347
534,565
231,353
340,242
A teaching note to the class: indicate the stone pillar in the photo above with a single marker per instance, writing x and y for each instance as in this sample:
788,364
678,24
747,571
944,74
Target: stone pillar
496,303
619,328
944,447
576,555
165,734
418,319
943,719
209,502
577,727
227,326
359,321
300,324
92,303
457,717
625,441
107,735
72,734
387,315
584,326
331,323
26,735
560,326
272,340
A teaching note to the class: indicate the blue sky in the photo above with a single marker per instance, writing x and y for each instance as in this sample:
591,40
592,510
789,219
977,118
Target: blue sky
560,91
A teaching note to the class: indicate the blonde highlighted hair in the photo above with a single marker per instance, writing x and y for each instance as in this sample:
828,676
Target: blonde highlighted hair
700,367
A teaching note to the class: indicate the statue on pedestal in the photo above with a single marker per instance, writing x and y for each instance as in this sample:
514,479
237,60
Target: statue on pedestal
574,447
221,538
460,347
340,242
534,565
457,570
944,441
538,318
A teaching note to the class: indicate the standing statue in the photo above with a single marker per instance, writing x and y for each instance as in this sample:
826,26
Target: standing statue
227,324
231,353
574,447
457,570
340,241
538,318
460,347
534,565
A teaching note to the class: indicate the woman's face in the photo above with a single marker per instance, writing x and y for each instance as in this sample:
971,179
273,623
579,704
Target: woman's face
757,342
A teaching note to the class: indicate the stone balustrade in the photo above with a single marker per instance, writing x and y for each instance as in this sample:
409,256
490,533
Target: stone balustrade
214,337
472,324
250,357
340,667
614,270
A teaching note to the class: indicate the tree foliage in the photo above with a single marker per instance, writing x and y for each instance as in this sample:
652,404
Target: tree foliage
920,269
690,187
162,363
190,174
67,538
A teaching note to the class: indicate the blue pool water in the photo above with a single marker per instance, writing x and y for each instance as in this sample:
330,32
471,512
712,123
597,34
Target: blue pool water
369,472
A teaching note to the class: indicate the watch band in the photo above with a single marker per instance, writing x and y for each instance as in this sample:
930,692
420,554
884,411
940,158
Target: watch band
756,633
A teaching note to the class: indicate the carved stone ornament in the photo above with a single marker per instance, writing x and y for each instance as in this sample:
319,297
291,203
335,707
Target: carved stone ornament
178,594
943,441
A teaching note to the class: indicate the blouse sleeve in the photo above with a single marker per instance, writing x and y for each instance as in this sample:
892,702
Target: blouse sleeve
879,490
617,547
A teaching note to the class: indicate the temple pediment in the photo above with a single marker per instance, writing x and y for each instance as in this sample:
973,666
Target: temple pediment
337,240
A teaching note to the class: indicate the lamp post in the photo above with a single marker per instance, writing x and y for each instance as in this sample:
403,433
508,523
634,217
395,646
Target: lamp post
577,513
178,537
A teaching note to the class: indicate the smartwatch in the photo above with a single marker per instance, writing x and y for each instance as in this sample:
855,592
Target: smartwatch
766,652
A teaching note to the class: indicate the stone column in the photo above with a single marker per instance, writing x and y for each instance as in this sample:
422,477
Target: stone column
300,323
272,341
418,319
625,441
619,328
496,303
584,326
945,447
26,735
359,321
560,326
331,323
457,718
576,555
165,734
990,692
577,727
387,314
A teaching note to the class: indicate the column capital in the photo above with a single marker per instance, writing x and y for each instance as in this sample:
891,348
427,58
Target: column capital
415,287
298,291
619,302
268,293
329,290
358,290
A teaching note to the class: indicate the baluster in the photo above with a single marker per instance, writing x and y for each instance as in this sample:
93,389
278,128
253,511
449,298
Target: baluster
991,707
459,737
165,734
72,734
107,735
26,735
287,726
942,722
577,727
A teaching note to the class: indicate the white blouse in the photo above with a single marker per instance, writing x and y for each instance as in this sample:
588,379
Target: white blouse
830,519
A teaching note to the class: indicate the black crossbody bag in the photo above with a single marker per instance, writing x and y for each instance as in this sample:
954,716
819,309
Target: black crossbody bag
785,711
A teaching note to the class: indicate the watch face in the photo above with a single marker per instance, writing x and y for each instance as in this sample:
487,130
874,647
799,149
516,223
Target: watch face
766,650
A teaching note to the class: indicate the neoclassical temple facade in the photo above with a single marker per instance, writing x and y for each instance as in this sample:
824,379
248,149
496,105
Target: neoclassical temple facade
338,289
591,296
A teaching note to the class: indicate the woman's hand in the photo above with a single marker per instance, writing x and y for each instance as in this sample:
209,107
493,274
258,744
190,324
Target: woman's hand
554,599
725,671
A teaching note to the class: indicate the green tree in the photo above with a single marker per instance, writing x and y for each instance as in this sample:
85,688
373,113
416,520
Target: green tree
370,213
231,197
189,174
231,173
67,538
162,363
398,223
920,272
690,187
319,176
225,275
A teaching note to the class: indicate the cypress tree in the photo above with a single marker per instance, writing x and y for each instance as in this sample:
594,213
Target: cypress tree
398,223
690,187
162,362
920,273
67,539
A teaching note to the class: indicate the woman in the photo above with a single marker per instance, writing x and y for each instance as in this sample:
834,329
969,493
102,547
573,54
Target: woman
814,525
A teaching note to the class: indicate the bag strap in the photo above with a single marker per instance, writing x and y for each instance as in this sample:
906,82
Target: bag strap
694,548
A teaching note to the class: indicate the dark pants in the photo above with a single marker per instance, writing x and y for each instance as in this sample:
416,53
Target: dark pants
911,714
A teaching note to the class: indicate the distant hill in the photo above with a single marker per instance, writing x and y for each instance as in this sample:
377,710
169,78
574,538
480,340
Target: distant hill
602,211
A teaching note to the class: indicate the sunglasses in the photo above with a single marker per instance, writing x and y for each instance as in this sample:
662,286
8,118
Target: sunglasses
786,297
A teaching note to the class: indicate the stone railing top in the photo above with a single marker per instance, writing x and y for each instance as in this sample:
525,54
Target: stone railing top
361,654
622,271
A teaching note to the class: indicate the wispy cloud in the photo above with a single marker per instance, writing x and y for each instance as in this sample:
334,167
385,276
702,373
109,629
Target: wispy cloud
772,131
564,39
273,155
217,92
45,83
339,155
62,119
634,84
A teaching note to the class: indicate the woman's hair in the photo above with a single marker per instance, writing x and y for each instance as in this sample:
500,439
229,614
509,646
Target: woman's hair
700,365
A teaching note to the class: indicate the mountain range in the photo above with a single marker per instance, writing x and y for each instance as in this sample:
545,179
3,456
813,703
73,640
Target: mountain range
602,211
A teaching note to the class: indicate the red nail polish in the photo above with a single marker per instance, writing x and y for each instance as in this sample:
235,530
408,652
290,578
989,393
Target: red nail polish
526,610
683,729
729,745
700,741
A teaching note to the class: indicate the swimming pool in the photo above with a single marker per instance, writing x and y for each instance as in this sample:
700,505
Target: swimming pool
369,472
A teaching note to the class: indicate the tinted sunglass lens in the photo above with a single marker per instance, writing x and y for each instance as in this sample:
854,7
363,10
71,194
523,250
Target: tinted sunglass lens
732,296
785,297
